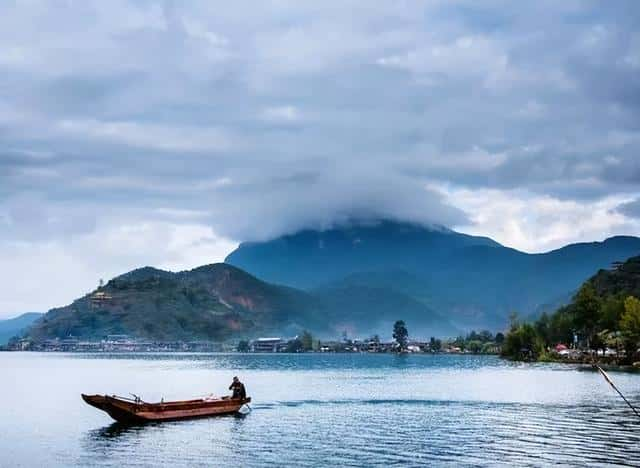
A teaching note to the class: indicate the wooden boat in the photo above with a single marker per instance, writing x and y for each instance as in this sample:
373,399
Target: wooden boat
137,411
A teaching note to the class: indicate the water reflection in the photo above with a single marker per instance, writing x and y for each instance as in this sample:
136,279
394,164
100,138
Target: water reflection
121,429
118,435
116,430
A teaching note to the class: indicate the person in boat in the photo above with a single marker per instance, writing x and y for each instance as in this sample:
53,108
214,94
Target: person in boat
239,391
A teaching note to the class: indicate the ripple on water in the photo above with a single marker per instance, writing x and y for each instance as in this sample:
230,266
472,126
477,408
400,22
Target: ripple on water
321,411
356,433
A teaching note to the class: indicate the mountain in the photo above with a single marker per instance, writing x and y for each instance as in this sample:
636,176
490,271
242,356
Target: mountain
601,314
368,309
221,302
472,281
309,258
15,326
212,302
358,278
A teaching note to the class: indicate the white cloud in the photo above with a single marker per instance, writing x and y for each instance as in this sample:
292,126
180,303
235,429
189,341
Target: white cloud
39,275
281,114
531,110
538,223
127,120
476,159
152,136
464,56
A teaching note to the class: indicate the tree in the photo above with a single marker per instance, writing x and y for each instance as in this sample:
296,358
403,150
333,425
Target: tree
307,341
434,344
543,328
522,343
610,339
499,338
475,346
485,336
586,305
460,342
473,336
612,310
243,346
562,326
400,334
630,326
294,346
488,348
513,319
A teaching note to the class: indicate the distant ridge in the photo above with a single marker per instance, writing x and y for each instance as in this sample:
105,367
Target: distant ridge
473,281
17,325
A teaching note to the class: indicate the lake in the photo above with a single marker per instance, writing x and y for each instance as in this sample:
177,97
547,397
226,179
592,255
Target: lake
318,410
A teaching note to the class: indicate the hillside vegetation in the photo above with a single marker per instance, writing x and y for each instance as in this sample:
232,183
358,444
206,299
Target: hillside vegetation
213,302
221,302
604,313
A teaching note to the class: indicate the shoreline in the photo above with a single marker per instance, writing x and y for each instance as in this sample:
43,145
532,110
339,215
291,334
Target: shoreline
546,360
582,364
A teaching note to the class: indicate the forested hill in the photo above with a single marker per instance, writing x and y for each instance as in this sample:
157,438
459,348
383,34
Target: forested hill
212,302
221,302
604,313
597,307
622,280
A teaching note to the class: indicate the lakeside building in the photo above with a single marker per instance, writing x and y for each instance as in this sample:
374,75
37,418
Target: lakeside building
100,298
118,343
118,338
126,343
268,345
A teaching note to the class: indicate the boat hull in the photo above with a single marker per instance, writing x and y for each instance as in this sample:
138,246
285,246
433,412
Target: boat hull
129,411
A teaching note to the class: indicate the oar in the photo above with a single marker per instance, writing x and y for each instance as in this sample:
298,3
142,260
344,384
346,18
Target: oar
610,382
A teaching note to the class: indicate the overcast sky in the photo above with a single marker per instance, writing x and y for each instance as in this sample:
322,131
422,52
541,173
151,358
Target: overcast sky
162,133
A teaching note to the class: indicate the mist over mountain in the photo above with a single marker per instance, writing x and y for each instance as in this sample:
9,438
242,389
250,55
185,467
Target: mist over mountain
357,278
474,282
16,326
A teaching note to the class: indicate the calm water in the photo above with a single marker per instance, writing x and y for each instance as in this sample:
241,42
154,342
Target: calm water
318,410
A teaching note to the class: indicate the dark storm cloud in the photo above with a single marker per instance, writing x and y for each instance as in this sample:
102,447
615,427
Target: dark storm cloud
272,116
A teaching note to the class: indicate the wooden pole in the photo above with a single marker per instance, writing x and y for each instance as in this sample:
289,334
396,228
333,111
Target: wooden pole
610,382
